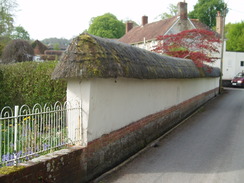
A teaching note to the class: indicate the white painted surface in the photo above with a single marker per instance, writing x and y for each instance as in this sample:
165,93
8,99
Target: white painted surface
232,64
109,105
79,91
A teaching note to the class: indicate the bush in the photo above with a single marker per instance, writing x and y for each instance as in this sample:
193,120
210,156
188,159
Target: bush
30,83
17,51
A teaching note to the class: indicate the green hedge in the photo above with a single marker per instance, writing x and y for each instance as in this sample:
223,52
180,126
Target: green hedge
30,83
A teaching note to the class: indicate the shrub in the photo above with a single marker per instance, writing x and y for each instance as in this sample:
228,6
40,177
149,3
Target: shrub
17,51
30,83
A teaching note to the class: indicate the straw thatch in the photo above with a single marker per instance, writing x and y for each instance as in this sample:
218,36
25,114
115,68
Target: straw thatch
89,56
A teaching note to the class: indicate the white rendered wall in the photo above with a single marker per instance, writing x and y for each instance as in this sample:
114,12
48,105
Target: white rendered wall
110,105
78,91
231,63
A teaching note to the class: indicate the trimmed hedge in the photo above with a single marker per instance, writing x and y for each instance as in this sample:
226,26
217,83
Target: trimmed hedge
30,83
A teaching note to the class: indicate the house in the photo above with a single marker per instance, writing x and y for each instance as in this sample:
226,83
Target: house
39,47
144,36
52,54
42,52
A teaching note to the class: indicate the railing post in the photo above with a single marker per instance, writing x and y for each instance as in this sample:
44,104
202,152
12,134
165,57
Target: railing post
16,113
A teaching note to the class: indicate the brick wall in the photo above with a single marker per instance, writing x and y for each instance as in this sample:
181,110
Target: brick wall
79,164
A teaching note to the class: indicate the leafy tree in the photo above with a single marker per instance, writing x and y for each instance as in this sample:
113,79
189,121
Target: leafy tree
132,21
56,43
107,26
172,12
6,17
196,44
6,22
3,42
235,37
206,11
17,51
56,46
227,28
20,33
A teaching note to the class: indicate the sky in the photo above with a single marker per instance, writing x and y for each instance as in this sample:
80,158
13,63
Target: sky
68,18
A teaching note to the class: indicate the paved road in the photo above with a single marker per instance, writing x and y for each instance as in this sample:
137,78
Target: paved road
208,148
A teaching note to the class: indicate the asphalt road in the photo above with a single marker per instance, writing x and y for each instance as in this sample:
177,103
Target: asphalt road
207,148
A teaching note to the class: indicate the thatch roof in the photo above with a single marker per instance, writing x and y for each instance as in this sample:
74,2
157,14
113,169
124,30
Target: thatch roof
90,56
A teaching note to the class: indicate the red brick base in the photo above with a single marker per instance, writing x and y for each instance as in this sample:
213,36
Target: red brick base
83,164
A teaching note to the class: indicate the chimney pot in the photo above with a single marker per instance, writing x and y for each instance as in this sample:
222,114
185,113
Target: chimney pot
144,20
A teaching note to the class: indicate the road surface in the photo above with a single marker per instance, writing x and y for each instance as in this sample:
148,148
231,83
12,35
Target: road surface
207,148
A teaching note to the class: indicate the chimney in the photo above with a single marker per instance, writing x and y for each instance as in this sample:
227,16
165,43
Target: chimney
182,10
144,20
219,23
129,26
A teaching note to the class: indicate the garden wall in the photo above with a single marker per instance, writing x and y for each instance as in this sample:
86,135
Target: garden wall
81,164
129,96
110,104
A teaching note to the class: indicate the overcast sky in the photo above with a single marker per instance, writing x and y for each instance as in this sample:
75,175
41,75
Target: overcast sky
66,19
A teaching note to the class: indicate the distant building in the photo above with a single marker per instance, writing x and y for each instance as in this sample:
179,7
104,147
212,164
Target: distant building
39,47
43,53
52,54
144,36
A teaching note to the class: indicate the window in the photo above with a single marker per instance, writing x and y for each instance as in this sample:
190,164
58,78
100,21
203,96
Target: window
242,63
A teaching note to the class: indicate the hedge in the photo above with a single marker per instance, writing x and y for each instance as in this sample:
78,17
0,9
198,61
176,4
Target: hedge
30,83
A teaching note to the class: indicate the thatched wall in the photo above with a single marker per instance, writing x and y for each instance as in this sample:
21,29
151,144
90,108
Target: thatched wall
90,56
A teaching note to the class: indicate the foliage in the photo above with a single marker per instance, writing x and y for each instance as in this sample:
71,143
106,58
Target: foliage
107,26
172,12
3,42
53,42
17,51
196,44
56,46
132,21
206,11
6,17
29,83
6,22
20,33
235,37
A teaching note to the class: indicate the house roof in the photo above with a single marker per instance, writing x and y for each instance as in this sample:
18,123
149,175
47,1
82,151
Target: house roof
37,44
148,31
90,56
199,25
153,30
